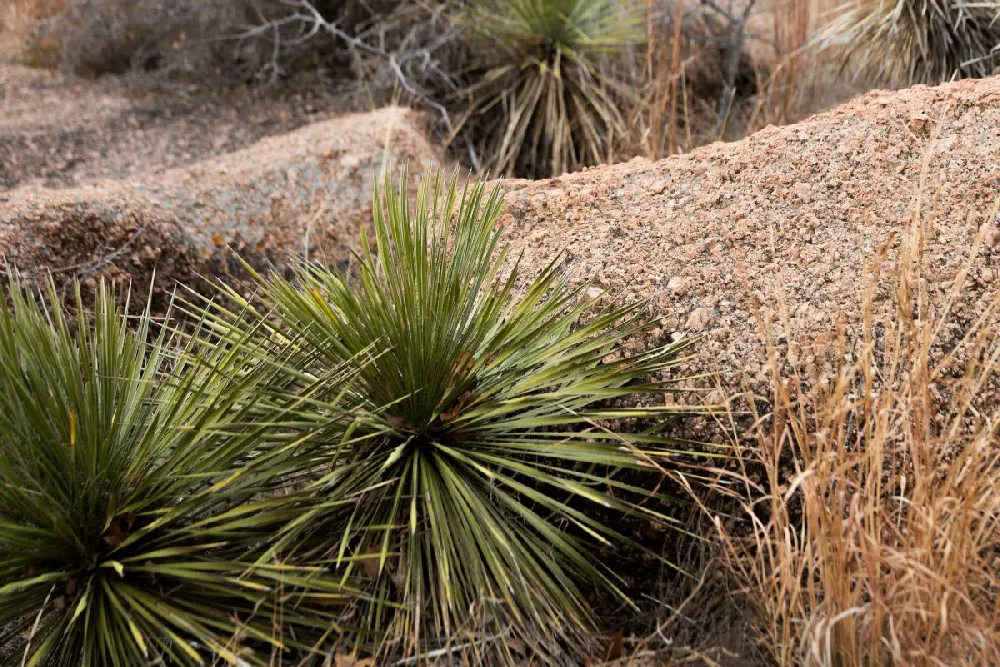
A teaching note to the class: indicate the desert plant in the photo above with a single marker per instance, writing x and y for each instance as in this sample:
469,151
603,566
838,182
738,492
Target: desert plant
902,42
538,105
479,444
873,521
129,506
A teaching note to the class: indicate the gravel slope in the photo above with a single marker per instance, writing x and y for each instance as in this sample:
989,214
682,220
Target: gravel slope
305,192
793,213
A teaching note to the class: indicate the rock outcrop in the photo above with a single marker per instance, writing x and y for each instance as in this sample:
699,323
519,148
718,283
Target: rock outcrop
303,193
788,220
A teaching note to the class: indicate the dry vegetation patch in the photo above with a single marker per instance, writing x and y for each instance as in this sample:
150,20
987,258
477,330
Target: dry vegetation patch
871,531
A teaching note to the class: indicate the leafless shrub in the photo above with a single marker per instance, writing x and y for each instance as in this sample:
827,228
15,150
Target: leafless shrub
234,40
408,50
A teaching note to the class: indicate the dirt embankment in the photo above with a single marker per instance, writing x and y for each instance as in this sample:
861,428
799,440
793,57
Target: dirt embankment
788,220
307,192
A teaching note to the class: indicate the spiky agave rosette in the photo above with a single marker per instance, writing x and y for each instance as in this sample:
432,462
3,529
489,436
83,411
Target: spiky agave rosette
474,440
134,493
539,105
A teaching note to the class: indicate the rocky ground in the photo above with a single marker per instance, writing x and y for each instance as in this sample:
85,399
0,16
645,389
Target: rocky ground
134,207
785,224
57,130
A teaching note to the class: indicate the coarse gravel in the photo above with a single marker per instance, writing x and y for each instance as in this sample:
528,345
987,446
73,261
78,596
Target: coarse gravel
305,193
791,215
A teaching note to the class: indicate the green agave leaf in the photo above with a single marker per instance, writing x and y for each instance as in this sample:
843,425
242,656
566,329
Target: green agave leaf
456,473
137,494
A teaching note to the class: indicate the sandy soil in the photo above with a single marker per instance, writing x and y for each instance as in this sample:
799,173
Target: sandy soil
58,131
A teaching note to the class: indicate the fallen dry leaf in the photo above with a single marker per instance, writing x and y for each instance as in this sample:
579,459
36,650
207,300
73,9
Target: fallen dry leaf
371,565
614,648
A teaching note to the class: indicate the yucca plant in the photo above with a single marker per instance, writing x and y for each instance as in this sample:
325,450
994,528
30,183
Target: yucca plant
539,105
131,497
476,437
903,42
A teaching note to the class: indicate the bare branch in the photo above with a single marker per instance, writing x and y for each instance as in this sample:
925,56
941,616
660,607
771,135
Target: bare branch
734,50
311,23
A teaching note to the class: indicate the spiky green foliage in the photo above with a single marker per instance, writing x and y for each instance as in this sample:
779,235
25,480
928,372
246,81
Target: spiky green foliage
128,498
540,105
474,438
903,42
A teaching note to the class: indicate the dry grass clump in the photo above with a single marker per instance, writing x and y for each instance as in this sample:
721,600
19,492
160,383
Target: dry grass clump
872,537
690,85
720,71
902,42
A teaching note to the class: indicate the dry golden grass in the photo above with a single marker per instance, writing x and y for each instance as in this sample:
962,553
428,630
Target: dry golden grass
799,83
786,89
674,81
17,17
678,77
872,537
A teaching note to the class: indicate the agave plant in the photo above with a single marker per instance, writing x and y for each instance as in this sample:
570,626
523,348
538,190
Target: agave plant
539,104
130,497
475,436
902,42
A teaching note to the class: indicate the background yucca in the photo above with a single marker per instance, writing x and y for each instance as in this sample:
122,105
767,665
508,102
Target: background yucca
129,498
902,42
539,105
473,441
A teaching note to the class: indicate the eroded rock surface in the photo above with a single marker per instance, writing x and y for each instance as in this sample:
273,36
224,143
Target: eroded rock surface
307,192
790,218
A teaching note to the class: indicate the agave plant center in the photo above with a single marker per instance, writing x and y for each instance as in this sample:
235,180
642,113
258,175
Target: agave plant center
428,429
428,423
116,533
